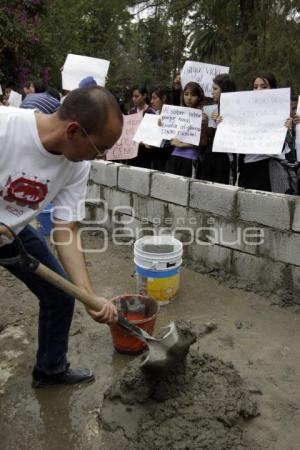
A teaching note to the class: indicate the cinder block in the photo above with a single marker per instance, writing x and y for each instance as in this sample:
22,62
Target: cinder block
266,208
171,188
149,210
197,218
295,271
281,246
134,179
178,216
296,221
210,256
213,197
96,216
125,229
236,235
104,173
117,201
92,192
258,270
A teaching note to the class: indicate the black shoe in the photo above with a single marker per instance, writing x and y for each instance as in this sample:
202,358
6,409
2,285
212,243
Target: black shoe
69,376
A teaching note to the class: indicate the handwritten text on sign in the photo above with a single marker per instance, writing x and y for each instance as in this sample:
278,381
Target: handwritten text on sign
181,123
253,122
201,73
125,148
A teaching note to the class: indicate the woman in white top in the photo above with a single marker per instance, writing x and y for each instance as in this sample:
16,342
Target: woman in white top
254,170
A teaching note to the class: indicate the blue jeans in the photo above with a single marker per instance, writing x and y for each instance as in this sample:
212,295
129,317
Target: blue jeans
56,307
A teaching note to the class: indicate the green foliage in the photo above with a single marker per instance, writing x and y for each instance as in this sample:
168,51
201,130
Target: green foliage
249,36
147,41
19,36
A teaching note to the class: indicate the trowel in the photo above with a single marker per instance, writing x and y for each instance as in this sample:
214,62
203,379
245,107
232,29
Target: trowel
163,353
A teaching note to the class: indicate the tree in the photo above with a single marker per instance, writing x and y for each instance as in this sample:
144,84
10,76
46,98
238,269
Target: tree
148,40
19,37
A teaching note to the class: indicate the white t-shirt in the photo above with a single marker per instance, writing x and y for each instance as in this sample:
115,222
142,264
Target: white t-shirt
255,158
31,177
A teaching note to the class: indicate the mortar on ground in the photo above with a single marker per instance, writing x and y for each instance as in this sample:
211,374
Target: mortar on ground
201,404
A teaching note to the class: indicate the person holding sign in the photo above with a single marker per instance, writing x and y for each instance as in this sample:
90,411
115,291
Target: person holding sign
261,171
140,102
184,156
159,97
216,166
294,114
176,90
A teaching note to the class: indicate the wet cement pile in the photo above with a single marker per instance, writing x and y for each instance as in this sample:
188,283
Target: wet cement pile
201,403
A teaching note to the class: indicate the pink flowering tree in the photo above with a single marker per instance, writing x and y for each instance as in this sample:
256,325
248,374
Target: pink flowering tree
19,38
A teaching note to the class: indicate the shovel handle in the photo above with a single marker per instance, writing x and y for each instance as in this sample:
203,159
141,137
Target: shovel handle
57,280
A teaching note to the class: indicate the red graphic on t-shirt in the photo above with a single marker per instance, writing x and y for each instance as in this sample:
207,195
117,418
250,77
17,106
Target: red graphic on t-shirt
25,192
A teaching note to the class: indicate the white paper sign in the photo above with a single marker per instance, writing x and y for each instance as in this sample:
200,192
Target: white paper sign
125,148
209,110
201,73
182,123
1,92
77,67
14,99
149,132
297,140
253,122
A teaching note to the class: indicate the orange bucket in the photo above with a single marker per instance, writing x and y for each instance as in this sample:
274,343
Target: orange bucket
139,310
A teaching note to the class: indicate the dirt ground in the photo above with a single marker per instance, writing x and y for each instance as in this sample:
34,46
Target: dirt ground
260,338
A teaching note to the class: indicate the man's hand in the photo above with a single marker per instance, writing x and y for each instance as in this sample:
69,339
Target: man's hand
108,312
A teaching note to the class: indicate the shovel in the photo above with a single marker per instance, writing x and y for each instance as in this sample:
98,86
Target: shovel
163,352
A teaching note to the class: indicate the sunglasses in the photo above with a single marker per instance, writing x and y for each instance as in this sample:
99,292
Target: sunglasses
99,152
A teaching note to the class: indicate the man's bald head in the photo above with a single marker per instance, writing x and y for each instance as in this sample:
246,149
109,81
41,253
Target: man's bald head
92,107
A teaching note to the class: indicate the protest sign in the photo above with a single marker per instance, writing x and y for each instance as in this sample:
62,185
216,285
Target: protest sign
201,73
297,140
209,110
77,67
149,132
14,99
181,123
125,148
253,122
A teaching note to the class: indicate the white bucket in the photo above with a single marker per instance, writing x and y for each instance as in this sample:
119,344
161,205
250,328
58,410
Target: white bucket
158,263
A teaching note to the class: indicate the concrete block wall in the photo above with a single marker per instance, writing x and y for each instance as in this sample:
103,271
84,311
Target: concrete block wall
251,234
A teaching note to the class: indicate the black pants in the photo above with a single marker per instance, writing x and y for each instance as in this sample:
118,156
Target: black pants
143,158
56,307
160,158
216,168
255,175
179,166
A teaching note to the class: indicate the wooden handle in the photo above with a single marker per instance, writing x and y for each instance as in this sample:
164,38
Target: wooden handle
81,294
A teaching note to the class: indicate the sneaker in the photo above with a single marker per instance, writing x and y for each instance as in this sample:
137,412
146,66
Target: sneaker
69,376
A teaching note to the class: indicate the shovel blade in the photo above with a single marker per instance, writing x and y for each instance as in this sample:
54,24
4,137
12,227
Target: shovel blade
168,351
